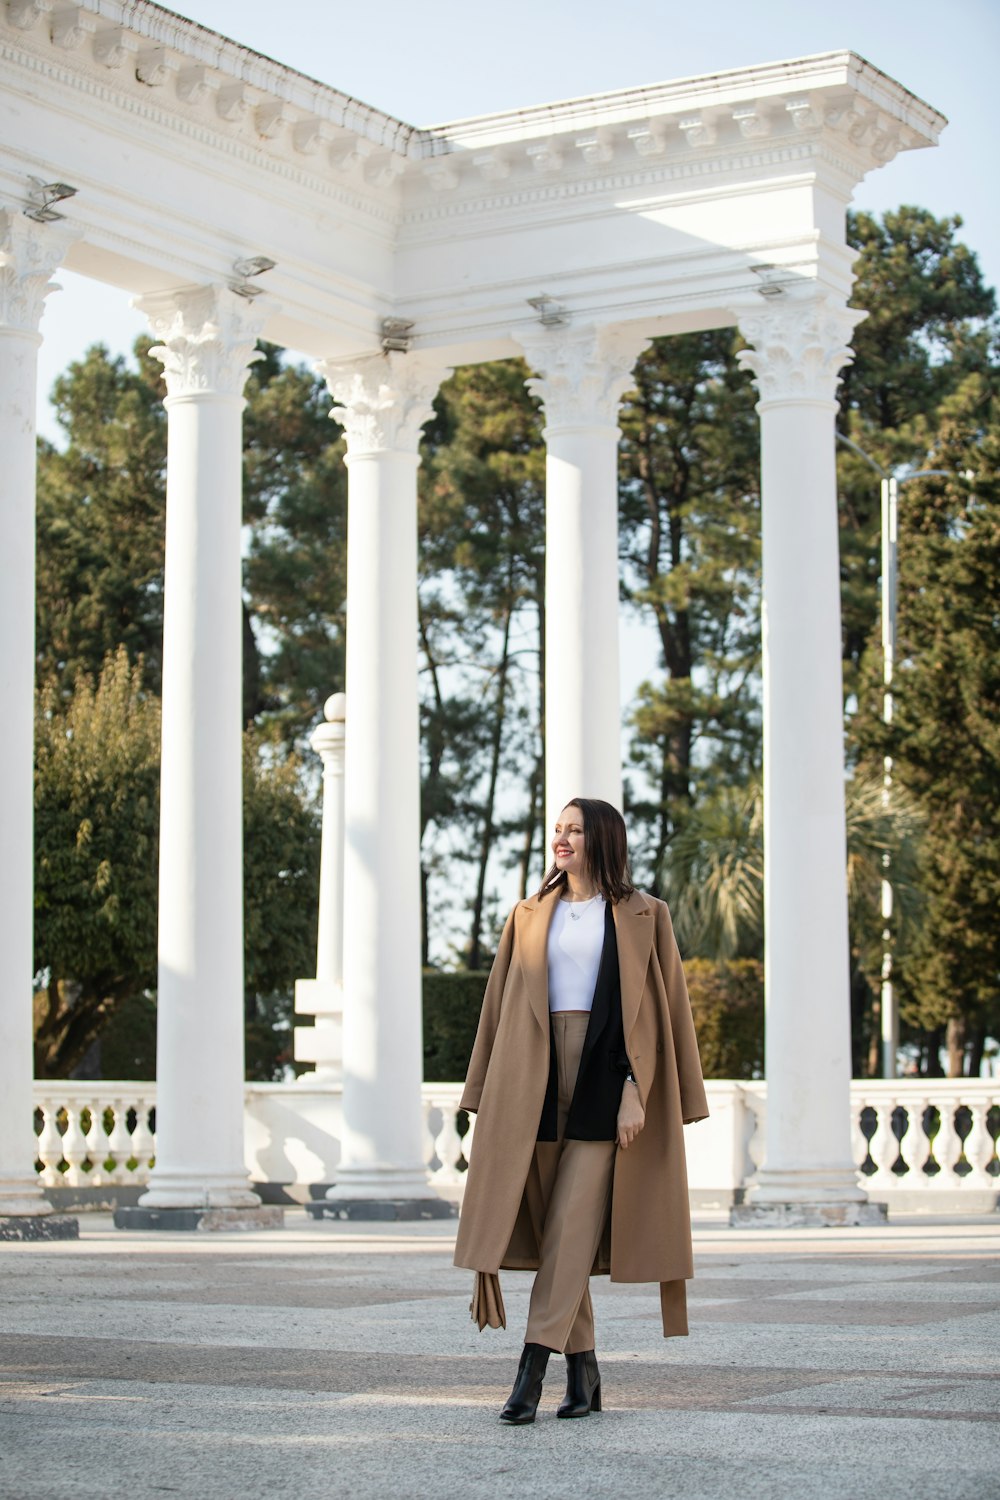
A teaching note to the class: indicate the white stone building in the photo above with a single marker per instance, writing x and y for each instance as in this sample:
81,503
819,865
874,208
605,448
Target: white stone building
201,175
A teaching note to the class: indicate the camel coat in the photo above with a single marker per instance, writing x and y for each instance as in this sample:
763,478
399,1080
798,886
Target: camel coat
648,1237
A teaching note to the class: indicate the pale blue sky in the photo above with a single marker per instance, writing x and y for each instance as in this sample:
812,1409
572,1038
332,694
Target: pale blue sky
443,59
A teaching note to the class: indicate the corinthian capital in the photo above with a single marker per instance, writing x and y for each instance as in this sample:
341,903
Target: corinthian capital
582,372
207,339
384,400
29,253
799,345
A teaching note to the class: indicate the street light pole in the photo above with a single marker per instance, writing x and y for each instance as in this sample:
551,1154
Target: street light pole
889,1012
889,486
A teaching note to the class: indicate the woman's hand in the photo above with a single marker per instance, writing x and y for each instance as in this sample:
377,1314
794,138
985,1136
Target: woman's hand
631,1116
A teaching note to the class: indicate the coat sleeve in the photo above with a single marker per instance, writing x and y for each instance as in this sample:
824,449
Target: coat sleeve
694,1105
489,1020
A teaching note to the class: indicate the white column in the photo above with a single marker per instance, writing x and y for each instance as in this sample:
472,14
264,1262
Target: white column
323,997
582,375
383,402
207,342
29,253
799,344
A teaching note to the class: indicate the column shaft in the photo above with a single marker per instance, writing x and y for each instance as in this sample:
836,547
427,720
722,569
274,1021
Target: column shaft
582,688
807,980
383,1123
208,338
384,402
799,344
19,1189
582,374
29,253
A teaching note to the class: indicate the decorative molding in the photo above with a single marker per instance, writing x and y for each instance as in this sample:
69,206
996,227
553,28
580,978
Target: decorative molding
25,14
70,27
697,130
582,372
649,138
116,46
384,400
752,123
155,66
207,339
799,344
29,254
492,165
442,173
544,156
596,148
113,45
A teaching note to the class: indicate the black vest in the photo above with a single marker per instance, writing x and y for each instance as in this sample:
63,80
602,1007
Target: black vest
593,1114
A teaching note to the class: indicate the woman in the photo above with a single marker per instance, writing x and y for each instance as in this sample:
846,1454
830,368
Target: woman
585,1067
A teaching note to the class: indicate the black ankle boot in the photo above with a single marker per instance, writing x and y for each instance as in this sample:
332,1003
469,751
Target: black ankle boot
523,1402
583,1385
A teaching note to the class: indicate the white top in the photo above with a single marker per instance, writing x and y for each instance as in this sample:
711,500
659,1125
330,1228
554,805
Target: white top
576,939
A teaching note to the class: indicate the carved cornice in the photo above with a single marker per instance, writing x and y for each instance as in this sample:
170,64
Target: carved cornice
29,254
583,372
799,344
211,112
383,401
207,339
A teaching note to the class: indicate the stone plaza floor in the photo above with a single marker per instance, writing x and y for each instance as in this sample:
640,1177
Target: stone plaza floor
329,1360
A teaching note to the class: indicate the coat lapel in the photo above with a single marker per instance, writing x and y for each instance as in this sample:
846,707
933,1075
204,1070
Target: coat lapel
634,927
532,938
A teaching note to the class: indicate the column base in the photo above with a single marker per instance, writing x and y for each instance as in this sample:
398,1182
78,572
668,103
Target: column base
382,1209
381,1184
181,1191
822,1215
205,1219
39,1227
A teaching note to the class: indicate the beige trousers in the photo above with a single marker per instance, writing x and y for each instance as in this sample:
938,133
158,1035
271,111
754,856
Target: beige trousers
569,1193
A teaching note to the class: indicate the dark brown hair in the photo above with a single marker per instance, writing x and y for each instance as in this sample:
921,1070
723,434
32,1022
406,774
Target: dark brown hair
606,849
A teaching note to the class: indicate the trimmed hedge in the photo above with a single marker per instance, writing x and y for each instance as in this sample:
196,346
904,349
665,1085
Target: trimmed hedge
452,1002
727,1002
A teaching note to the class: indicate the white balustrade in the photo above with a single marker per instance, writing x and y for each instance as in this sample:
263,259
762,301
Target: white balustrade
97,1135
76,1147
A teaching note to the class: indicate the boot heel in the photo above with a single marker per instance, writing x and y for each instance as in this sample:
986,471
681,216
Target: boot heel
595,1400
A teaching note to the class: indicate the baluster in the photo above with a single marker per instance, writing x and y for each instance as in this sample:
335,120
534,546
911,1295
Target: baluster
883,1145
120,1143
97,1144
467,1138
948,1143
915,1147
143,1140
74,1146
49,1146
978,1146
430,1105
859,1141
755,1139
448,1146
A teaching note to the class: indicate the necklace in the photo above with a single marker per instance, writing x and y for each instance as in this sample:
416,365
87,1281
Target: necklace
575,916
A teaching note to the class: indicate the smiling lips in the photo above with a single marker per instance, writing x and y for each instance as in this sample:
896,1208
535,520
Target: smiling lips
563,851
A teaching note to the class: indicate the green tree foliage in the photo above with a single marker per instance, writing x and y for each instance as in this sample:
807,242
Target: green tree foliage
919,395
100,519
97,834
928,327
945,736
481,606
690,521
97,755
295,573
281,844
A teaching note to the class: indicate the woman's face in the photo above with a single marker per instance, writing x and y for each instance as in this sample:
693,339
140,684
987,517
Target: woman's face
568,843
